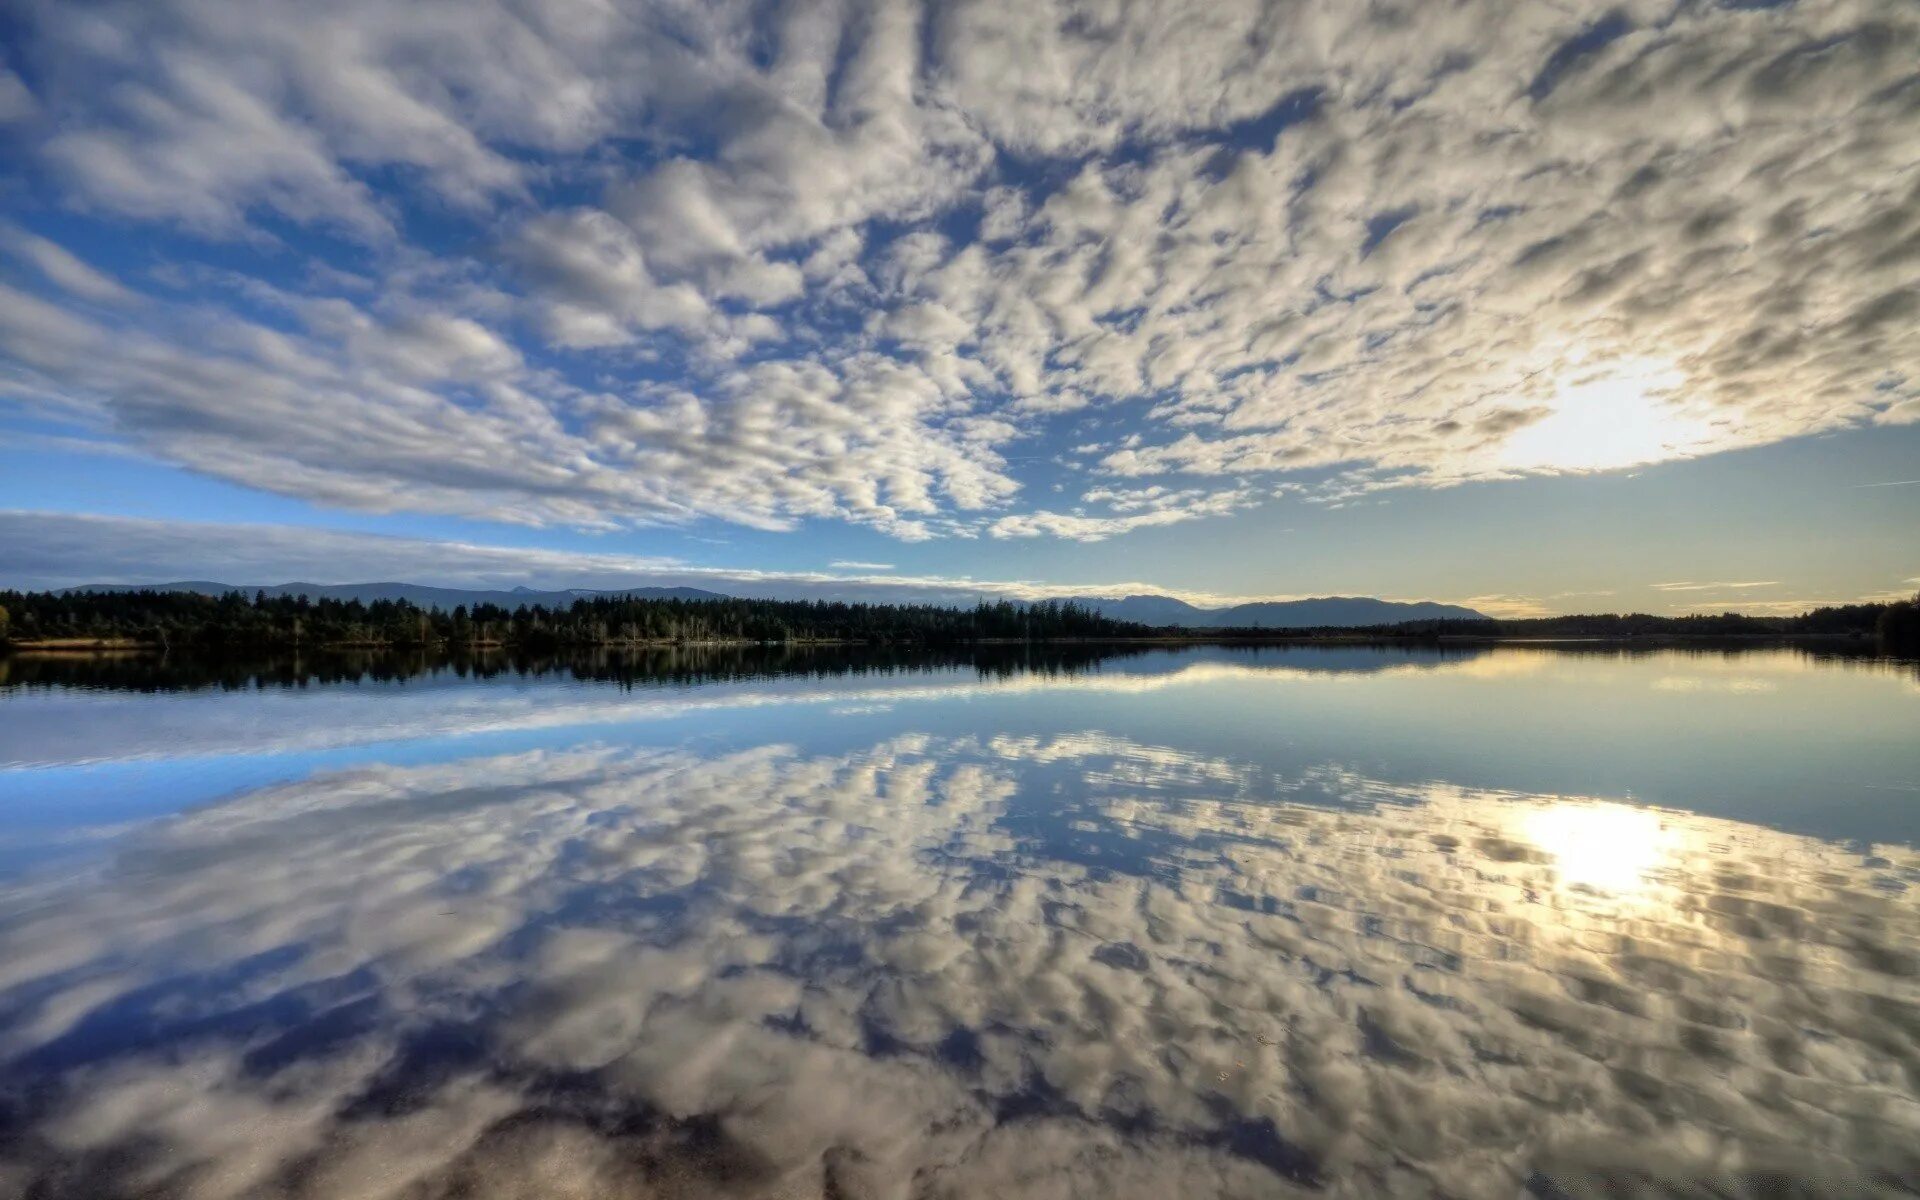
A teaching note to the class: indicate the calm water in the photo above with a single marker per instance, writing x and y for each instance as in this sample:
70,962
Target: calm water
1347,922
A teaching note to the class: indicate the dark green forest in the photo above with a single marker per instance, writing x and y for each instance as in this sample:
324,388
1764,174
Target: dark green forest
236,622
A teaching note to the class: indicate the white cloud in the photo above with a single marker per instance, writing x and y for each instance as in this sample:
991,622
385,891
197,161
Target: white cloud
1139,508
418,408
1513,607
48,549
16,99
1418,250
62,268
1742,603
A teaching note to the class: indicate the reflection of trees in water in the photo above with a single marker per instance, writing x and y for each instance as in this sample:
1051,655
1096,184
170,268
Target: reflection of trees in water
141,672
659,665
929,968
1852,652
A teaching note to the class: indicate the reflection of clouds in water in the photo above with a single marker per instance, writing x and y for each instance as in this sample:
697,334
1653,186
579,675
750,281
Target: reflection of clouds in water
78,728
1690,683
905,971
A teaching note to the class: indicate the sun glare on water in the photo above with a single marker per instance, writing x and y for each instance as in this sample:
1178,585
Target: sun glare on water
1610,414
1603,847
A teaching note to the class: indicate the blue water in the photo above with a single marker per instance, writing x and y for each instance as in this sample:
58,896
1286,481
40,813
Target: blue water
1208,922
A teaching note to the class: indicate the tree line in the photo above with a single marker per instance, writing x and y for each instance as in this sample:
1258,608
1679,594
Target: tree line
237,622
1896,623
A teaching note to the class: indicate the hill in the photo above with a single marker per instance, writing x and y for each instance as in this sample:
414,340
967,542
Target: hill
1324,613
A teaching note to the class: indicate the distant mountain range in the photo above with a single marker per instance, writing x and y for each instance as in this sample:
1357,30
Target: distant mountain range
1329,612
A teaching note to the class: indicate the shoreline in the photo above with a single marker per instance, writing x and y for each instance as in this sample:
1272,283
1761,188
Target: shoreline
62,647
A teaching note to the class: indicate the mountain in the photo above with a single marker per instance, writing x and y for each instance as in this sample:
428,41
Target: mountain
1148,610
1329,611
420,594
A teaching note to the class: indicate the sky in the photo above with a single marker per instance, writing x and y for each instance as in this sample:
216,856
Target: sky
1542,308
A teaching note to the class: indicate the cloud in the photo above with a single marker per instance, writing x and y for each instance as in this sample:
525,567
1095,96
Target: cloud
843,564
1686,586
62,268
1689,683
1783,608
1516,607
1138,508
16,99
773,264
416,408
47,550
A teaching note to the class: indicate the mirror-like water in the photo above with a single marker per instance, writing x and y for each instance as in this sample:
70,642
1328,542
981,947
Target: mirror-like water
1211,922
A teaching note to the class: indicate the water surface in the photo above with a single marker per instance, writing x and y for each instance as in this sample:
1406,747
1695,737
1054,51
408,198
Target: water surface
1322,921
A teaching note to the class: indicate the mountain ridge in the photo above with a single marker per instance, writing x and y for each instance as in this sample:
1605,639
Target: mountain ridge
1315,612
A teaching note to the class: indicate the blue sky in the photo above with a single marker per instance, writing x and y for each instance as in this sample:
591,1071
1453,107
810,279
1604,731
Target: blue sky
1596,307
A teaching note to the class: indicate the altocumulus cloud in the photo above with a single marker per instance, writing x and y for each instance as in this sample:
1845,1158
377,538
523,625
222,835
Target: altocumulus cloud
600,265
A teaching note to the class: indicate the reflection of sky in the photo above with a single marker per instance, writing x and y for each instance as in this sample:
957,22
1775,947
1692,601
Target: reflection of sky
954,948
1816,746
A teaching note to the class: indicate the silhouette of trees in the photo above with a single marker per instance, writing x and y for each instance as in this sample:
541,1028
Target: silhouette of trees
236,622
1846,620
1899,625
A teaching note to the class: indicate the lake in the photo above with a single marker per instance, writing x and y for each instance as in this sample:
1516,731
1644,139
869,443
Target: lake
1347,921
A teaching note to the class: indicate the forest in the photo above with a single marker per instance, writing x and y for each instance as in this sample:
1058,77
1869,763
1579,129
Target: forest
1897,624
240,623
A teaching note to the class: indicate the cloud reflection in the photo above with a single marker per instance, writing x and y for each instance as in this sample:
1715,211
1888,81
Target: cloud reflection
953,967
